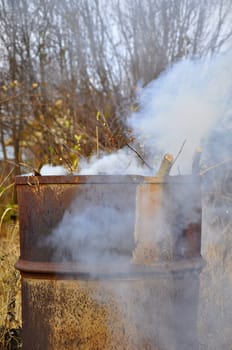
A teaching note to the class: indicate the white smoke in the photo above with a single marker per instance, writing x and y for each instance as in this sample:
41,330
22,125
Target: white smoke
95,233
189,101
121,162
49,169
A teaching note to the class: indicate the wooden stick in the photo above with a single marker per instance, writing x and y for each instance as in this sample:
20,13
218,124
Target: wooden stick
165,166
196,161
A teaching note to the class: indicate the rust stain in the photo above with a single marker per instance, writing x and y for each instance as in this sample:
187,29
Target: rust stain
168,222
150,228
128,314
133,306
41,211
76,315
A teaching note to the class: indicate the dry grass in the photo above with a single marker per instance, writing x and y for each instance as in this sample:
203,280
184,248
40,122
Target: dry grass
10,293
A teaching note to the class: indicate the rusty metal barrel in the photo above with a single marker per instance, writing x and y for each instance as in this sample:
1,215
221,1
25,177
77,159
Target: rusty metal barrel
109,262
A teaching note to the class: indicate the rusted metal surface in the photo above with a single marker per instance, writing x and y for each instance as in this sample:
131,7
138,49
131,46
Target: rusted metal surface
105,271
168,222
43,201
130,313
130,304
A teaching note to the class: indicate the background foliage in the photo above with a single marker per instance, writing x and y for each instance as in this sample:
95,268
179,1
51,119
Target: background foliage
65,63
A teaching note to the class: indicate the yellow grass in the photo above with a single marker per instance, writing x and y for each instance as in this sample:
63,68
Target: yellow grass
10,293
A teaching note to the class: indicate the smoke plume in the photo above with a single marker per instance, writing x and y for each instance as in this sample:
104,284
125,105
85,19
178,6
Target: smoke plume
190,101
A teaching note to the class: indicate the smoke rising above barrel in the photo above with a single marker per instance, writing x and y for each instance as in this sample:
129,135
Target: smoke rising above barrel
188,102
191,101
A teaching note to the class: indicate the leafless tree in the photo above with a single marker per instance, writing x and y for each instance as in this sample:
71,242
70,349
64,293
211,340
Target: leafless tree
71,67
157,33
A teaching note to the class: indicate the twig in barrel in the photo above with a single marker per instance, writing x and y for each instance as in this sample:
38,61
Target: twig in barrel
178,154
203,172
165,166
140,157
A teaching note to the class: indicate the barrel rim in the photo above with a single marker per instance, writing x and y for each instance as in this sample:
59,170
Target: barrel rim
103,179
111,271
